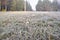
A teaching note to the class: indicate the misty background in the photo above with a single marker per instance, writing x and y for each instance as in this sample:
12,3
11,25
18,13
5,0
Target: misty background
29,5
44,5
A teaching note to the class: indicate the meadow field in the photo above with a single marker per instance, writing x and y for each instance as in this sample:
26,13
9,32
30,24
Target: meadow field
29,26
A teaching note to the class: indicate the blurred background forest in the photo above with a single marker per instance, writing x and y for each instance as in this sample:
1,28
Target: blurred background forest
47,5
11,5
29,5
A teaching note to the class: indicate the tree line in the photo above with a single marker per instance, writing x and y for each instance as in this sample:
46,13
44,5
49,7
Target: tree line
47,5
19,5
12,5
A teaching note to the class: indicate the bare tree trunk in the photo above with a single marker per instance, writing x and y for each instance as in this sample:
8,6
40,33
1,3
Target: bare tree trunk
3,5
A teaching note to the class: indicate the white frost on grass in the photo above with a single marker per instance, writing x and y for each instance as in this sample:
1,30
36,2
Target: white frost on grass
29,26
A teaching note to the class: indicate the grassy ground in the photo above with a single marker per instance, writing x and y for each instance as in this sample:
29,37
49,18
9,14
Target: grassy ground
29,26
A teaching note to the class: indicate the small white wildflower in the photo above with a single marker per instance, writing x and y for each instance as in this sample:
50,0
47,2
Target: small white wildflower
27,22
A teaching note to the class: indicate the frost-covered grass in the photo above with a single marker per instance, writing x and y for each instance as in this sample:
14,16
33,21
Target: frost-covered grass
30,26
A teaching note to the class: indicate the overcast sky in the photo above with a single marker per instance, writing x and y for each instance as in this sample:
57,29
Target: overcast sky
34,2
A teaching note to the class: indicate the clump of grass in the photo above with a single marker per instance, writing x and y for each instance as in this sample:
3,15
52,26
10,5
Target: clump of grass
41,23
4,23
50,20
51,37
6,35
51,25
57,23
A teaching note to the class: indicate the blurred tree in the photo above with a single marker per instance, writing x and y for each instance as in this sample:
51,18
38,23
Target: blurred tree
40,6
15,5
46,5
55,5
58,7
3,5
0,5
11,5
28,7
19,5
